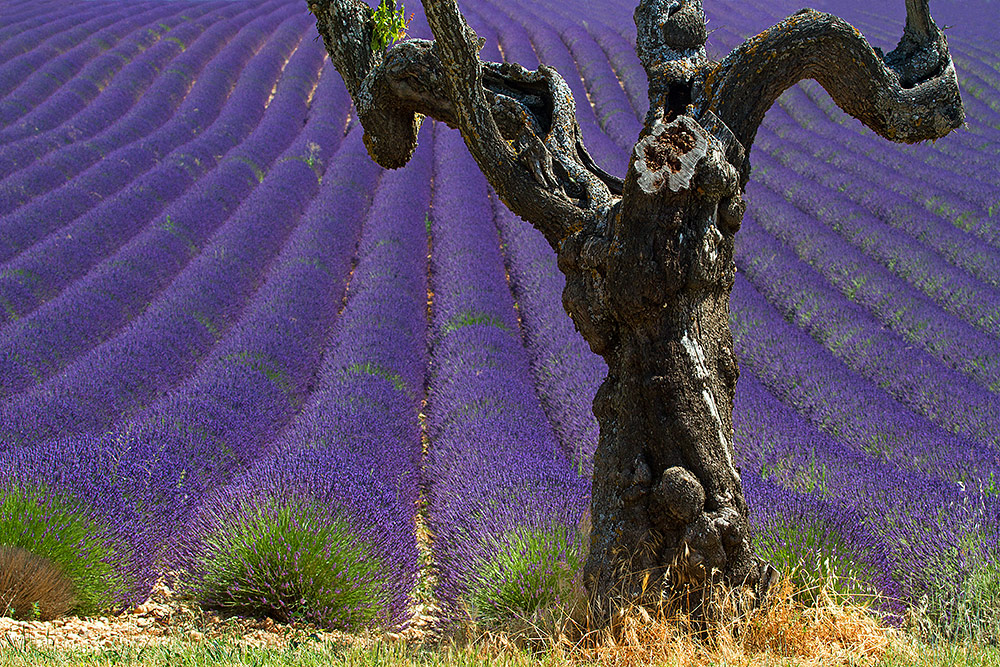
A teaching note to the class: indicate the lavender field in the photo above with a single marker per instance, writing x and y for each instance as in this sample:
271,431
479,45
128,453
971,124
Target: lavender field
235,351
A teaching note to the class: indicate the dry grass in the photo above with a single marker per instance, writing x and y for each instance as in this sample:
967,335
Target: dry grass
786,631
32,587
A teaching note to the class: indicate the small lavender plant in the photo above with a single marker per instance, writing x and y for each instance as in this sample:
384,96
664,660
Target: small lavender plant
525,570
294,559
70,538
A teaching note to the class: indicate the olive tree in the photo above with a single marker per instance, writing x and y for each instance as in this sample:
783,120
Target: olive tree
648,260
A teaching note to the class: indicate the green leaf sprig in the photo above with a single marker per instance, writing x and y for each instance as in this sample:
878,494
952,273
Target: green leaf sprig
390,24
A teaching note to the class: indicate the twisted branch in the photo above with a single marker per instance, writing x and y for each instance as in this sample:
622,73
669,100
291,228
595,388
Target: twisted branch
909,95
519,125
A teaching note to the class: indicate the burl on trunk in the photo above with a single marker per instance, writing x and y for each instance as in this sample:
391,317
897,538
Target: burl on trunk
649,259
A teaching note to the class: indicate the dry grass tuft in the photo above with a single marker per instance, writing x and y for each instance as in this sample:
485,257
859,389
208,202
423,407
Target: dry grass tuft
832,631
32,587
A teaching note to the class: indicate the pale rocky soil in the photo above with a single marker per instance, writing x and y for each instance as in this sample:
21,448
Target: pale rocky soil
164,619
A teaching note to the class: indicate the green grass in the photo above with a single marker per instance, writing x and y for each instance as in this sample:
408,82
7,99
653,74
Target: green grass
305,653
814,558
308,653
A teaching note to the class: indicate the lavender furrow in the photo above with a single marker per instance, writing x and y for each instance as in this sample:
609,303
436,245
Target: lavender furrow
609,14
348,465
952,182
56,130
23,17
124,486
950,217
962,264
121,286
968,139
566,374
926,534
170,337
48,266
776,444
66,499
620,55
514,40
961,173
23,55
74,77
615,114
500,492
840,402
59,187
837,128
128,96
257,377
913,377
893,257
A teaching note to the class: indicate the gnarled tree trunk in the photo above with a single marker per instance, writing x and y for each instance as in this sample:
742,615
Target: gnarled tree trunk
648,260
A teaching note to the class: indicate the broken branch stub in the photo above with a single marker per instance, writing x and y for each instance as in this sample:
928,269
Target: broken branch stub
668,155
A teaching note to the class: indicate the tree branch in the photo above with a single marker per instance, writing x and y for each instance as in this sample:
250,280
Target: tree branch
908,96
519,125
670,43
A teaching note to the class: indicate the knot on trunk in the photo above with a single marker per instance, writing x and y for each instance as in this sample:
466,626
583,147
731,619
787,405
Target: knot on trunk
674,24
677,500
667,156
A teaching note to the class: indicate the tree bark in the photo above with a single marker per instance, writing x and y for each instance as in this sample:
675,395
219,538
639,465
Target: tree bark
648,260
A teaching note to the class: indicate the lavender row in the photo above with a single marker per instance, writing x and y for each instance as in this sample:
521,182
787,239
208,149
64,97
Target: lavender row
60,188
125,100
620,54
949,237
22,18
61,127
913,377
841,402
615,112
956,189
960,178
924,534
75,77
26,53
503,502
248,385
61,501
875,281
566,374
38,274
176,328
346,469
816,189
41,344
513,42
